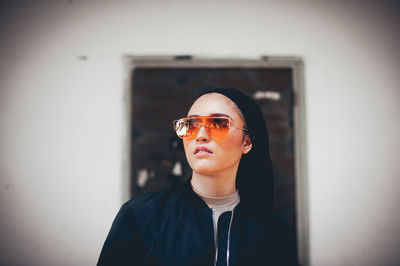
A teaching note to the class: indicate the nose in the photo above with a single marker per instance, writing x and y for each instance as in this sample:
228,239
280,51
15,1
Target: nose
202,134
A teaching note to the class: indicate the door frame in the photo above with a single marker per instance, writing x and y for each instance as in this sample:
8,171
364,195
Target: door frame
299,118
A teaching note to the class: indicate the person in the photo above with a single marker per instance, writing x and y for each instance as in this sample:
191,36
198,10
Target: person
222,215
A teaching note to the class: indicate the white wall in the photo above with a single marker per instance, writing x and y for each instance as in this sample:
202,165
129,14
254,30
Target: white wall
62,117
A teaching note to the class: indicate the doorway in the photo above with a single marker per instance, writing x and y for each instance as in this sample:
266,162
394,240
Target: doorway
162,89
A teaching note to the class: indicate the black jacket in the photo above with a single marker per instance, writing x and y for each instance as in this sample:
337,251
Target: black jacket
175,227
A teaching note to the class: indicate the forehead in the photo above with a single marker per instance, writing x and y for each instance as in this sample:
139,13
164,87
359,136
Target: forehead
214,103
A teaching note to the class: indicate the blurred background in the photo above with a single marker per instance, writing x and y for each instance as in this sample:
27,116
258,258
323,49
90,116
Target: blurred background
63,107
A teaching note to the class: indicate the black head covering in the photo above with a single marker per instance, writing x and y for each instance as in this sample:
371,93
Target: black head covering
254,179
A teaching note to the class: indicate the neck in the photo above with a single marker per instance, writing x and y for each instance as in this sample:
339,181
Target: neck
215,185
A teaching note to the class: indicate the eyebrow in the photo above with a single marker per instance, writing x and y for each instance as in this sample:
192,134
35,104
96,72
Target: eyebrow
214,114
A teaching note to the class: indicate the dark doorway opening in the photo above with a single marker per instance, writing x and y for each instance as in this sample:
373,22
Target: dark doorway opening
162,94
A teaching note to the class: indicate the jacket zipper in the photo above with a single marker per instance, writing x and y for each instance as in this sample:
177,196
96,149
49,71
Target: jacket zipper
215,240
228,240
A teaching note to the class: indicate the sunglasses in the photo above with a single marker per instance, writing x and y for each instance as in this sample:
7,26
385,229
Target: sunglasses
216,126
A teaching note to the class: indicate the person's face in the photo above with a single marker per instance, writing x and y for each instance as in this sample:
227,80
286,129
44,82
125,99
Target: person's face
223,153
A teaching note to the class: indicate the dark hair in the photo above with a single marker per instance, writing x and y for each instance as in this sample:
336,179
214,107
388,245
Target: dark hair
254,179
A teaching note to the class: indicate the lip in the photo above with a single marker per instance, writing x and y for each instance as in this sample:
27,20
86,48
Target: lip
201,150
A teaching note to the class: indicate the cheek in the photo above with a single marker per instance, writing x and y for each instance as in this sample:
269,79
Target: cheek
229,150
232,143
189,149
187,144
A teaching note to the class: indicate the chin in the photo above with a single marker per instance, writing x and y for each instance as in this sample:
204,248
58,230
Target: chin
204,169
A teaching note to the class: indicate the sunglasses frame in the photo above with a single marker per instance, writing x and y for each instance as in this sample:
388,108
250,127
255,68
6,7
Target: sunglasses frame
186,119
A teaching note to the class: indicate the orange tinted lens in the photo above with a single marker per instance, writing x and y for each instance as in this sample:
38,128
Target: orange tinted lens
217,123
187,128
182,128
217,126
192,126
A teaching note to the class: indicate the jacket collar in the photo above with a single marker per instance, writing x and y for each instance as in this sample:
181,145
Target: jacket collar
197,202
